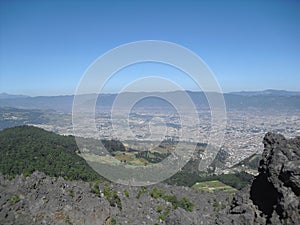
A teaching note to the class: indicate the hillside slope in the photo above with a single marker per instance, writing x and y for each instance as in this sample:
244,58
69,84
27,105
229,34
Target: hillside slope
26,149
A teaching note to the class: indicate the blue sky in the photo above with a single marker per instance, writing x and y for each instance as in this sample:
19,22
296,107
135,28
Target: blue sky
46,46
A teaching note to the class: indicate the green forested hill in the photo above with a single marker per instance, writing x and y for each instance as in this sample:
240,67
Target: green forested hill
26,149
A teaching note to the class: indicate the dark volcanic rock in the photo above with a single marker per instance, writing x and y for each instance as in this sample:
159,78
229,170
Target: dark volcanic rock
276,189
274,196
39,199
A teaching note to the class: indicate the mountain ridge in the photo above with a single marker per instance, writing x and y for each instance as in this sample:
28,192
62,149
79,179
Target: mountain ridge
237,100
5,95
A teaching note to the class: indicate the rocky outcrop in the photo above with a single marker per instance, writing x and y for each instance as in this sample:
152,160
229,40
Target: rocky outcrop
39,199
274,196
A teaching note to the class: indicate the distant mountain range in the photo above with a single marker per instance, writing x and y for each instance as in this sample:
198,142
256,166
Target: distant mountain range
4,95
262,100
268,92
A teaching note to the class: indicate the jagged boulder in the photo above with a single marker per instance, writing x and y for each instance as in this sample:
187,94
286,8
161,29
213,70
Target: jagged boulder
274,196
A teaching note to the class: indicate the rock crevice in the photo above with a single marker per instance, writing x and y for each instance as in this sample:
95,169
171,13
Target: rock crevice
273,197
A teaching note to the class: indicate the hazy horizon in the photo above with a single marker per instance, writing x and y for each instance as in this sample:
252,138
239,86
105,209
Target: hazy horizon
113,93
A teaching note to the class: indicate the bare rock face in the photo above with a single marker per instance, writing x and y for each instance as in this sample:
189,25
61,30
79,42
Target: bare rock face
276,190
274,196
39,199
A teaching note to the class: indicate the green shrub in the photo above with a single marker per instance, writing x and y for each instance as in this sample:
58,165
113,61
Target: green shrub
71,193
95,189
106,191
216,205
164,215
14,199
157,193
186,204
112,197
159,208
113,221
141,191
115,200
126,193
170,198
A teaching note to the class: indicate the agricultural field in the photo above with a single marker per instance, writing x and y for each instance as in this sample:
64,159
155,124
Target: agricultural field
213,185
